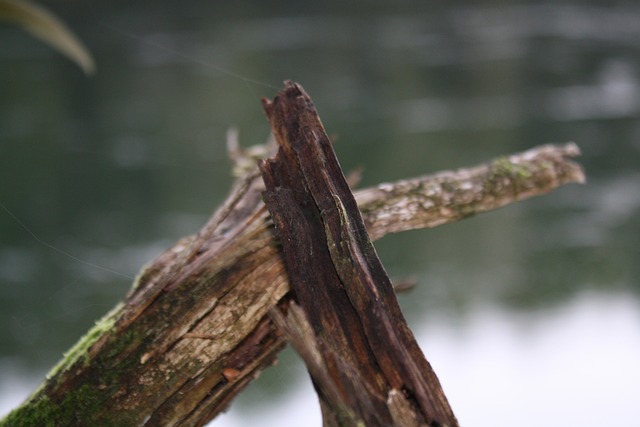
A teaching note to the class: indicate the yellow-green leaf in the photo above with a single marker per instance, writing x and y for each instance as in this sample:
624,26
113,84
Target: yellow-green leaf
44,25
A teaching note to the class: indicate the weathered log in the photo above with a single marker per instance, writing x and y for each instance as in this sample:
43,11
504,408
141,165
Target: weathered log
367,353
195,328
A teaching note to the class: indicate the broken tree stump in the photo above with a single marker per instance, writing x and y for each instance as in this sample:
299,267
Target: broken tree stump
368,357
197,325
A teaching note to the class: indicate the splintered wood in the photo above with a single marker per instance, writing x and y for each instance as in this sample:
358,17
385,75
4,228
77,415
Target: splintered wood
365,363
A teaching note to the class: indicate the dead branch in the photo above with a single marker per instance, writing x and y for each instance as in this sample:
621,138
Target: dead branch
195,329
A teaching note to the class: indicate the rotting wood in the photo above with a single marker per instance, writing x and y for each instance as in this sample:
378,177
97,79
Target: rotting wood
201,309
365,344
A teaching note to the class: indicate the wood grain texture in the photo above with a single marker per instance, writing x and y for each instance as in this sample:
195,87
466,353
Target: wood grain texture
197,326
338,279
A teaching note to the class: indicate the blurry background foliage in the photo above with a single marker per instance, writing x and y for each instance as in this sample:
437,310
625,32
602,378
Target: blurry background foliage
536,305
46,26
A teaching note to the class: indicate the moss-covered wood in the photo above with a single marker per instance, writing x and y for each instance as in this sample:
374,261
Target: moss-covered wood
195,328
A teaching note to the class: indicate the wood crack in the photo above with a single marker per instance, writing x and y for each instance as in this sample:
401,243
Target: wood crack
366,346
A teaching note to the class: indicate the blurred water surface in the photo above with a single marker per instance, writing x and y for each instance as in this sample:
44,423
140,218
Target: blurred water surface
527,313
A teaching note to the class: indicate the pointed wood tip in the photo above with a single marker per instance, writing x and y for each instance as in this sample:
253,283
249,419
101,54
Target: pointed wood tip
291,90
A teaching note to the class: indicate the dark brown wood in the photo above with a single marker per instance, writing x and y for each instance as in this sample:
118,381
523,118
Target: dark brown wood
197,326
338,279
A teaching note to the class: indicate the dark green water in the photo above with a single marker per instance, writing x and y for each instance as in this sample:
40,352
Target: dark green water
110,170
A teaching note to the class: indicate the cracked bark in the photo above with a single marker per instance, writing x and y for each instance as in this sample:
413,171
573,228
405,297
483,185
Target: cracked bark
363,348
196,327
